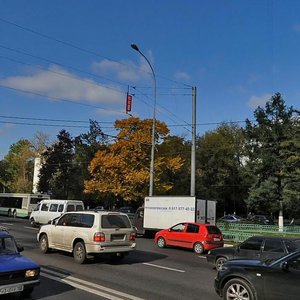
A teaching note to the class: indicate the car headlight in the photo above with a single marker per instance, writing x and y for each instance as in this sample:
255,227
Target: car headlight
31,273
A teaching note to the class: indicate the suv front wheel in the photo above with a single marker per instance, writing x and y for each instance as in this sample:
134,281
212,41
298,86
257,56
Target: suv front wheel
79,252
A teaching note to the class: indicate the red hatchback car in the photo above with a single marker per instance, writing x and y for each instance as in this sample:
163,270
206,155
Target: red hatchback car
196,236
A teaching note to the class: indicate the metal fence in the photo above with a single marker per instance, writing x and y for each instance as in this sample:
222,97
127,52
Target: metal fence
237,232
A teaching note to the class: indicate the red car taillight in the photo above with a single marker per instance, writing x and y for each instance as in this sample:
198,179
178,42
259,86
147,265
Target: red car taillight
99,237
132,236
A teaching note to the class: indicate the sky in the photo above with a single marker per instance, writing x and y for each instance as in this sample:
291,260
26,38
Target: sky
63,63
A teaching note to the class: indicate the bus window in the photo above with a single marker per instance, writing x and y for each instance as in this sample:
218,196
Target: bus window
61,208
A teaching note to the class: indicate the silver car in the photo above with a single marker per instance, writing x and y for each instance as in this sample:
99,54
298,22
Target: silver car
88,234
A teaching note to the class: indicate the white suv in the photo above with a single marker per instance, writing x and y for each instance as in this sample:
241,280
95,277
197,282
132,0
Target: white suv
88,234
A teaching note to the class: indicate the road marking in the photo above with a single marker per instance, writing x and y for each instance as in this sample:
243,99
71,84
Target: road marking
93,288
162,267
201,256
7,224
32,228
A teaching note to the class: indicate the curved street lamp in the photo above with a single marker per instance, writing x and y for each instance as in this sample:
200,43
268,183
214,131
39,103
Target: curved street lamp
136,48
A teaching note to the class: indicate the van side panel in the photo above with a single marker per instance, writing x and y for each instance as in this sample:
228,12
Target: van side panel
51,209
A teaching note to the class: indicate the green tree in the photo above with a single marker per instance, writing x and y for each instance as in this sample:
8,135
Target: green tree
57,167
85,146
19,164
290,156
219,168
266,139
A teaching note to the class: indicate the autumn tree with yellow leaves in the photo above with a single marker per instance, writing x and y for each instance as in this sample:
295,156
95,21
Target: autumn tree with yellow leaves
123,168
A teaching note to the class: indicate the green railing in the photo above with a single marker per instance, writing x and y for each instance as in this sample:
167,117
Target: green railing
237,232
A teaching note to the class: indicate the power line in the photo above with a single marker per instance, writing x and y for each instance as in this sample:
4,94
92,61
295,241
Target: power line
78,47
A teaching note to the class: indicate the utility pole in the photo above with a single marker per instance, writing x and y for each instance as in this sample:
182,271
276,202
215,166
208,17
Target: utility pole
193,150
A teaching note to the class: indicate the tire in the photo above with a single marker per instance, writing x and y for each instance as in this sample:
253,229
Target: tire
26,293
33,223
79,253
161,243
238,289
198,248
14,214
44,245
219,262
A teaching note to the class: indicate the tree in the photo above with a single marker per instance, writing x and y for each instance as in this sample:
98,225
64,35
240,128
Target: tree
219,168
122,169
266,140
290,156
85,147
57,167
19,164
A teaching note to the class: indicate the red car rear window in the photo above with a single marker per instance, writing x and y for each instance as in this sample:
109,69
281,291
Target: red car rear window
213,230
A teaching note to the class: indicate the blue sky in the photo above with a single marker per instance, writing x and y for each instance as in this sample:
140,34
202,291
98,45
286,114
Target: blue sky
65,62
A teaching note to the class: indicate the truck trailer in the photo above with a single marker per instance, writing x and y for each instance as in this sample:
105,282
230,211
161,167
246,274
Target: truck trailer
162,212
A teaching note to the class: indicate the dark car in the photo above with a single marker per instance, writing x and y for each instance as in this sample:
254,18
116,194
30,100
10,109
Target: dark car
17,273
255,247
261,219
253,279
230,219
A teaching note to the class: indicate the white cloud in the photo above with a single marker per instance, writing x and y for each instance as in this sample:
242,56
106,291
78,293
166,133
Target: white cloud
125,70
256,101
59,83
182,76
111,113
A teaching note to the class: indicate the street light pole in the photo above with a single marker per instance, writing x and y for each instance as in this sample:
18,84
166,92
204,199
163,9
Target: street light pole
151,185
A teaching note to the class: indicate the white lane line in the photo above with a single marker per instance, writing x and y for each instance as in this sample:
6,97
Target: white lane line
32,228
88,286
201,256
162,267
8,224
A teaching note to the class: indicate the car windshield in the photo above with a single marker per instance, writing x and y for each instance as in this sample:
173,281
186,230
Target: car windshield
8,246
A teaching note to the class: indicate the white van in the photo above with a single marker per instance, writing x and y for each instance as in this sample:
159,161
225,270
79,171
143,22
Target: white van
48,210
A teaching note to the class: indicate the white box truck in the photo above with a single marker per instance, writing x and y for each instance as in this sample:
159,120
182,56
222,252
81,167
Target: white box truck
161,212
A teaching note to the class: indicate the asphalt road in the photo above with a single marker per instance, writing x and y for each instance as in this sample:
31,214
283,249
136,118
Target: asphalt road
147,273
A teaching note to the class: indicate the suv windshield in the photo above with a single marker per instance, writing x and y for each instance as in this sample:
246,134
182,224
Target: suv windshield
115,221
7,246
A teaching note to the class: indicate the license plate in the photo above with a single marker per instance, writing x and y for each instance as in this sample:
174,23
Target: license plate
13,289
117,237
216,239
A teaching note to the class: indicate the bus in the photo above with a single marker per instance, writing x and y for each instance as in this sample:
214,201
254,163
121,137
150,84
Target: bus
19,205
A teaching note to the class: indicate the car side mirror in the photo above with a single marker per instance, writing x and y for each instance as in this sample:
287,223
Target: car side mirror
20,248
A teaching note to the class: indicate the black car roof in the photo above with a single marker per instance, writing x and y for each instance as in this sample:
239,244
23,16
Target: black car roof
281,238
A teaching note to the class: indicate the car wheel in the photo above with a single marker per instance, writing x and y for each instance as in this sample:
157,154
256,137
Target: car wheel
198,248
79,253
219,262
26,293
33,223
161,243
14,214
44,245
236,289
